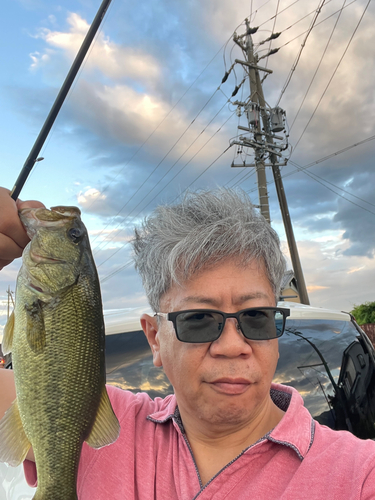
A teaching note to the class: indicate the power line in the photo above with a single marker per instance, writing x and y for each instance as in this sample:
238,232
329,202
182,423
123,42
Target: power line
207,168
166,173
316,25
125,266
121,248
192,158
302,18
244,178
317,68
135,216
332,184
312,176
323,159
197,137
333,74
321,3
273,29
160,162
162,121
281,11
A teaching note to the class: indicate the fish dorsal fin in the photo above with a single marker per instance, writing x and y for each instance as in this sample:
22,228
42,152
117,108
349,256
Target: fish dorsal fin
106,428
14,444
8,335
35,329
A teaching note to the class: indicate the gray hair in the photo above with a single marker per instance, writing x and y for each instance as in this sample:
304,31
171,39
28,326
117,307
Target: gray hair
207,227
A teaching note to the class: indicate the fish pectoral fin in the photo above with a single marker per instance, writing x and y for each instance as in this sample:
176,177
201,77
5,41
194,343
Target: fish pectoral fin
106,428
14,444
35,329
8,335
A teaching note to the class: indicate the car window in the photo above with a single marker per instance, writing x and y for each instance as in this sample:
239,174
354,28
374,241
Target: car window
323,359
329,364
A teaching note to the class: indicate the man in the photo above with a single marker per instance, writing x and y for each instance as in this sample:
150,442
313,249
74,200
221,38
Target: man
212,268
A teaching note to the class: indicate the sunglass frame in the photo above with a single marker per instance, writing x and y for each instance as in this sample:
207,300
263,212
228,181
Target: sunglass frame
172,316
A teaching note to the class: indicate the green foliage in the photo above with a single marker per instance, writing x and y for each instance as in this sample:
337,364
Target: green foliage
365,313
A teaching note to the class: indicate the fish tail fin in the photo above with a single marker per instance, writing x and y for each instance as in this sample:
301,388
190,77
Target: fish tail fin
14,444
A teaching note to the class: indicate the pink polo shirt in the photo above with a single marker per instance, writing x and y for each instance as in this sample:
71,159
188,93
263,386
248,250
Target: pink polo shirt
299,459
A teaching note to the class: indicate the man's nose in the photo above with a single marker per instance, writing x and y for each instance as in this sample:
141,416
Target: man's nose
231,342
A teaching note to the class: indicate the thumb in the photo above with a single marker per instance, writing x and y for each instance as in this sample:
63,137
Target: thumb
29,204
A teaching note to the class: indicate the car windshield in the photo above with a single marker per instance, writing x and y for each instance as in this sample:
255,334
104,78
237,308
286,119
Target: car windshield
311,355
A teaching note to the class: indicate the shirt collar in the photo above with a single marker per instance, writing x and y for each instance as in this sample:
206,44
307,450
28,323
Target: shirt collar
295,430
169,410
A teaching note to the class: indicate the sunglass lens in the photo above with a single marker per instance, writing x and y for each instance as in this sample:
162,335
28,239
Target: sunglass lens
261,324
198,326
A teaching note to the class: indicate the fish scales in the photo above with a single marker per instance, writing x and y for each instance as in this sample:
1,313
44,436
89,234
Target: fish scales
58,353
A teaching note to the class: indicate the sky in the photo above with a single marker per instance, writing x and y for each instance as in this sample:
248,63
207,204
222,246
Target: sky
148,117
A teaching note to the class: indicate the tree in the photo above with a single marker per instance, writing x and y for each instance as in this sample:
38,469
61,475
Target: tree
364,313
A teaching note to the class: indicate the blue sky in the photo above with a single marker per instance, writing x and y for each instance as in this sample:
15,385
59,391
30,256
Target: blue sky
148,115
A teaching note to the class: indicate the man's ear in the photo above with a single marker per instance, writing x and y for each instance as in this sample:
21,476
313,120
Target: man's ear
150,327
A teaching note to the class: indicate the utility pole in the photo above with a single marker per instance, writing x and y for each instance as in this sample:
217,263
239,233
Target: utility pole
10,298
252,111
264,146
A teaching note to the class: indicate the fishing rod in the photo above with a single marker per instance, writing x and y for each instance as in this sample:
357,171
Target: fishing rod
33,156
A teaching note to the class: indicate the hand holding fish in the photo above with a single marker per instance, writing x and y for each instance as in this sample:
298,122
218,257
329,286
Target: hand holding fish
57,317
13,237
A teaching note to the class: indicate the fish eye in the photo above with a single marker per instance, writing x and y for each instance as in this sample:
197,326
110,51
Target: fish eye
75,234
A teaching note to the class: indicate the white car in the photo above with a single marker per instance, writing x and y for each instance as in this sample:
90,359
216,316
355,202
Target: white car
323,354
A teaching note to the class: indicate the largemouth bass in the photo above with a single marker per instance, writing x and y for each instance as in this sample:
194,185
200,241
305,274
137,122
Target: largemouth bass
56,336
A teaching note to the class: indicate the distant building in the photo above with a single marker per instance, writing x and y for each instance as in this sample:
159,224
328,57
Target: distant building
289,288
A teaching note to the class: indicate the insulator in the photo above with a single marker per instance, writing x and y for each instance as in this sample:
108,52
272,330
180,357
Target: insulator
236,89
225,77
273,51
251,31
274,35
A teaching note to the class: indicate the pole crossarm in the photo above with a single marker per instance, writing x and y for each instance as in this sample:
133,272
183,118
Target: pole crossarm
253,66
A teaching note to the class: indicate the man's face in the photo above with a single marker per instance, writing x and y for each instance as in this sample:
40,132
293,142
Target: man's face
226,381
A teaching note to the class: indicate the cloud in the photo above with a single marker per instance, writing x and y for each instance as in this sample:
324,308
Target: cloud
132,116
356,269
328,278
89,196
39,59
112,60
315,288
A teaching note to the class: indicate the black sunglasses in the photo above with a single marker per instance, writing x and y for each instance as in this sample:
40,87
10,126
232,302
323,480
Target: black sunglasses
206,325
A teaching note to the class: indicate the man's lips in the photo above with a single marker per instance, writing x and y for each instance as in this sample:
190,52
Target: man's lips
230,386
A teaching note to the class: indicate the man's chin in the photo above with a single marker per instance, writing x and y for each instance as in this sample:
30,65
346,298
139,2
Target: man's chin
224,414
